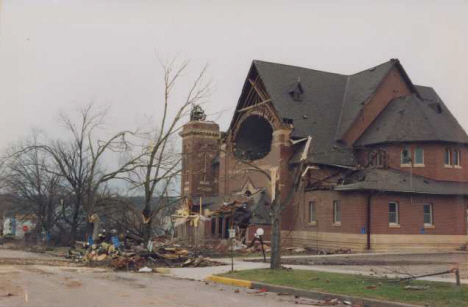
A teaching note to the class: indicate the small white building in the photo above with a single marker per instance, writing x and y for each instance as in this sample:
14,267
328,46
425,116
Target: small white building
15,227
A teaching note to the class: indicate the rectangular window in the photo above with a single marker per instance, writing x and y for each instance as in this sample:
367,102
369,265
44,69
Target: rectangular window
336,212
405,155
393,213
312,218
428,214
447,157
419,155
380,161
456,157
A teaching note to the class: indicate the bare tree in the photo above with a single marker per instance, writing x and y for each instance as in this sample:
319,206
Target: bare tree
159,161
79,161
36,190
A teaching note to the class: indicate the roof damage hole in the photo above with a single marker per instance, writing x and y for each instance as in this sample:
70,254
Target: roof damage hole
253,140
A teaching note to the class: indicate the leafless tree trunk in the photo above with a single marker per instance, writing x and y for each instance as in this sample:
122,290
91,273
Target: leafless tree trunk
279,204
159,163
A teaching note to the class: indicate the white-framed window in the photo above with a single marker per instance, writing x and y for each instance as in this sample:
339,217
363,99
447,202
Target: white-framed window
456,157
405,156
428,214
448,156
312,216
393,214
336,212
419,156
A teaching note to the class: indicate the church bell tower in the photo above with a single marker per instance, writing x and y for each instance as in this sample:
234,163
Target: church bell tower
200,149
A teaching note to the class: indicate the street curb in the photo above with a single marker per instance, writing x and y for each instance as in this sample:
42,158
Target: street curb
305,293
230,281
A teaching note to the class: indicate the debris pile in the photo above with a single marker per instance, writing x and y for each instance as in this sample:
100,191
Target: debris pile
158,253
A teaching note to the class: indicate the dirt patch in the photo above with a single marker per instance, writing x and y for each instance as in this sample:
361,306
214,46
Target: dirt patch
36,261
36,270
132,282
73,284
69,270
8,289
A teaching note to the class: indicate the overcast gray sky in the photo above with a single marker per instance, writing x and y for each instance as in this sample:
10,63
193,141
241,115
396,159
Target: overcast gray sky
57,54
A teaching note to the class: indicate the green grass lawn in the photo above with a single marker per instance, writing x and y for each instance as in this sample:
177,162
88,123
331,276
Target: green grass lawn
438,294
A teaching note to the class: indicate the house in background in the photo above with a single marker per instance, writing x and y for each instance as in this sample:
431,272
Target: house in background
385,160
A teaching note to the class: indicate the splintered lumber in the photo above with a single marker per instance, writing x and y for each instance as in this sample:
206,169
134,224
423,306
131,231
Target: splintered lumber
101,257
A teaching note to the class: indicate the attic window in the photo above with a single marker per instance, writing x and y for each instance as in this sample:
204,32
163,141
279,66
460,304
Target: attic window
298,91
438,108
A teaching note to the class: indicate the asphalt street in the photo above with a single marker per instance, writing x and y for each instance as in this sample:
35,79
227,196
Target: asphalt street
42,285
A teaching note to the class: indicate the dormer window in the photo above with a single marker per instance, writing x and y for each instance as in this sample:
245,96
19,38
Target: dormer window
405,156
298,91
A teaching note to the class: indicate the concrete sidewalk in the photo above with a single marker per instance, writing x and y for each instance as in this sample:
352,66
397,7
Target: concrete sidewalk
354,255
203,273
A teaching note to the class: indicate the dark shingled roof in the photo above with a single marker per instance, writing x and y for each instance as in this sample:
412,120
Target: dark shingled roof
318,112
391,180
328,107
359,88
412,119
331,103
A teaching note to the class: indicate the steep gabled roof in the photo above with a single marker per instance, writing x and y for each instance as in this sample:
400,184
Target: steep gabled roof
330,103
359,88
318,111
411,119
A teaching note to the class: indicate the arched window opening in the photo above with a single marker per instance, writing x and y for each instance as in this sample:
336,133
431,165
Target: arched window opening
456,157
253,140
448,154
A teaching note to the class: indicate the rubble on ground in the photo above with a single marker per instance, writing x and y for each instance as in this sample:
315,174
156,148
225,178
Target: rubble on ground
160,252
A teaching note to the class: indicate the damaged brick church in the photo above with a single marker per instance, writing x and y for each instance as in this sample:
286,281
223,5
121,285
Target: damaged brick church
383,161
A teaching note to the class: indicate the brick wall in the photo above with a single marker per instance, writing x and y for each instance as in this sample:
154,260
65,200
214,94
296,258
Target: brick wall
200,145
448,233
392,86
434,165
353,212
448,211
233,175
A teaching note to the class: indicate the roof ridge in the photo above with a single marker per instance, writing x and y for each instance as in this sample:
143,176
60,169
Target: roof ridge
374,67
328,72
342,106
300,67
